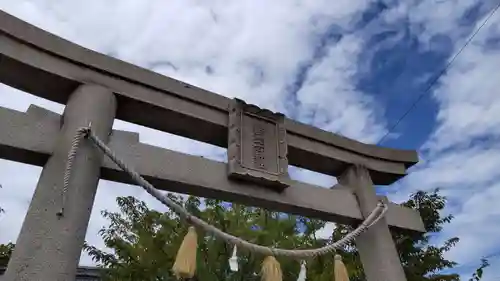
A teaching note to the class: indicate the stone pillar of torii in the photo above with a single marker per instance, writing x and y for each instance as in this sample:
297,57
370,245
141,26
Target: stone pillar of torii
98,89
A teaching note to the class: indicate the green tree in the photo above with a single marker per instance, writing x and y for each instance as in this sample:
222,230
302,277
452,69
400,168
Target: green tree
421,260
5,253
478,274
5,249
144,242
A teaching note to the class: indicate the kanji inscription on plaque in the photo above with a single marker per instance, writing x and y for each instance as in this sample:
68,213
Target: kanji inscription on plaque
257,149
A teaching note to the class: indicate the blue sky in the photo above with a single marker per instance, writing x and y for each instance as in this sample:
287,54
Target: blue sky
351,67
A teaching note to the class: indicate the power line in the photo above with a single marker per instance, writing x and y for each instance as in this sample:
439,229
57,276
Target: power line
407,58
419,98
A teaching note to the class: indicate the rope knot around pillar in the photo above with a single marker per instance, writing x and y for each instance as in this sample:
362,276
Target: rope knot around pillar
85,131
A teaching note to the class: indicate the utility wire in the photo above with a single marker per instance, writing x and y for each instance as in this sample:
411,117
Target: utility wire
407,58
443,71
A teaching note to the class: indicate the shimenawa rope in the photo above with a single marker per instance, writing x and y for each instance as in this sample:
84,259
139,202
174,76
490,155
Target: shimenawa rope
86,132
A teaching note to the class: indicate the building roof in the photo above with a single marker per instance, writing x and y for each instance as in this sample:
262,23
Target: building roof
84,273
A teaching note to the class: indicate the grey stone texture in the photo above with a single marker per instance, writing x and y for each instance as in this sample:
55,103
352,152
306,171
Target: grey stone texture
49,246
257,148
56,67
375,246
27,138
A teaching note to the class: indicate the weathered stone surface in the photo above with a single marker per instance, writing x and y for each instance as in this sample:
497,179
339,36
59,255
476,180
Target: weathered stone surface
179,172
56,67
257,149
49,246
375,246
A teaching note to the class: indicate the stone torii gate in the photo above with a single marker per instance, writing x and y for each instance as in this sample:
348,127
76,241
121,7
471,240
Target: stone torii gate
99,89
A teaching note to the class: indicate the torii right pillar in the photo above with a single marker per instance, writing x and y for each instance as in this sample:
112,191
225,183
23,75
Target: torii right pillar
376,247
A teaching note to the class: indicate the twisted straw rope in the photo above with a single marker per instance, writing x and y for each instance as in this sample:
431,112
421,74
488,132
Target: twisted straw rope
75,143
372,218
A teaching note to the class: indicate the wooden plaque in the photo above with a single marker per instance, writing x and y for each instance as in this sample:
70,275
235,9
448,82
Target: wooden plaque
257,149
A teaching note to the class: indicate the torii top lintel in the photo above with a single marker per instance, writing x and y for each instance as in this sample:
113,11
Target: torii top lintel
56,67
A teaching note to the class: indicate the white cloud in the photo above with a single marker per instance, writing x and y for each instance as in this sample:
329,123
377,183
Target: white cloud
248,49
462,154
330,96
469,96
253,50
457,169
430,18
15,196
476,226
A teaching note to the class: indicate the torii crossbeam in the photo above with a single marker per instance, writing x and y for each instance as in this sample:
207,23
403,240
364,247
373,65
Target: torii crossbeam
99,89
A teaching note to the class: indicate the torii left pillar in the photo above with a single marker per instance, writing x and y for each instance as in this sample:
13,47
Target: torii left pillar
49,246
